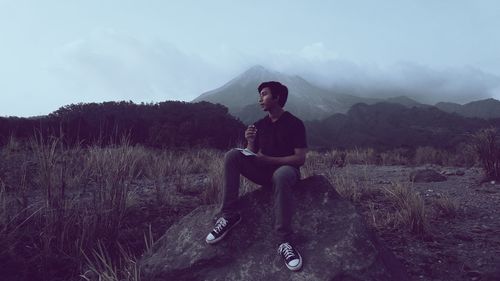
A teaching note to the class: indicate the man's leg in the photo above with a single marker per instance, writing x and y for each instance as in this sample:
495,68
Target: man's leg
236,164
283,180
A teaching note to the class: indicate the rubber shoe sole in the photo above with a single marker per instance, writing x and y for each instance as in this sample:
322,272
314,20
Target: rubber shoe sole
225,233
298,266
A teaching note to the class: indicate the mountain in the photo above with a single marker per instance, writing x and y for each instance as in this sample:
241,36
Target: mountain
449,107
406,101
389,125
305,100
310,102
486,109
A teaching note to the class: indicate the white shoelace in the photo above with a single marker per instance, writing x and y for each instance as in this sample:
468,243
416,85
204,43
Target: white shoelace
221,222
286,249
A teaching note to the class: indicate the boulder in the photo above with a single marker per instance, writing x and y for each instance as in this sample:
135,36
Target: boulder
427,175
453,172
333,240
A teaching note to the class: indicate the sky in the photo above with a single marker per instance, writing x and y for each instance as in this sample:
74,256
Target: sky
54,53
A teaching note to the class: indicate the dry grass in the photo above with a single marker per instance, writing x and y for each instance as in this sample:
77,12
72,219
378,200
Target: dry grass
349,186
103,267
62,200
71,205
447,206
361,156
429,155
464,156
487,145
212,194
409,208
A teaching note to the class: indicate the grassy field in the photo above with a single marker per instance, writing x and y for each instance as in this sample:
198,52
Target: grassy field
68,213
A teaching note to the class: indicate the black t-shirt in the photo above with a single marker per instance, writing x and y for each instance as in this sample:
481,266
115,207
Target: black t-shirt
280,138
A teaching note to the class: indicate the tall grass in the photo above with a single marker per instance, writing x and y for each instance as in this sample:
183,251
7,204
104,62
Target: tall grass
463,156
409,208
46,221
487,145
103,267
73,205
447,206
212,194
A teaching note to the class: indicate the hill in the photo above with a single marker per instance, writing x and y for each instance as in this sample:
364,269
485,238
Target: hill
387,125
486,109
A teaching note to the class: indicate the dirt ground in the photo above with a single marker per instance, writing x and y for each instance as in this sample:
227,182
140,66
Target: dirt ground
463,247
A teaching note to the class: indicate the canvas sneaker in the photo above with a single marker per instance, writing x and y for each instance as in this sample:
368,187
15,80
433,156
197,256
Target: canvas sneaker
291,256
222,227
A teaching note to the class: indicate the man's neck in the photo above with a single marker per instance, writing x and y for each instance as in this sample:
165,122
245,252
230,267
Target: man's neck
276,113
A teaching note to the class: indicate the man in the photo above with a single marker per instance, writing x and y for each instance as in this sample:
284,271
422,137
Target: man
279,142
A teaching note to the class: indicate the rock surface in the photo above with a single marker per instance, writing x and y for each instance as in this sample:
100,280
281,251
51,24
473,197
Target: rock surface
427,175
334,242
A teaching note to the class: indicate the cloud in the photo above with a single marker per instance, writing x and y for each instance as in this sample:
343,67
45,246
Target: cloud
322,66
112,65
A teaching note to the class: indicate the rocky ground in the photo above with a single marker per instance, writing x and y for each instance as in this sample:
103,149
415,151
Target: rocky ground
464,245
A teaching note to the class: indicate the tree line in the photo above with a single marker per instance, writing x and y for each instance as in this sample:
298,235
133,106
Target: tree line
166,124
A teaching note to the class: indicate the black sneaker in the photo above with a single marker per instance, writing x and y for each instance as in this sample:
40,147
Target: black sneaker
222,227
291,256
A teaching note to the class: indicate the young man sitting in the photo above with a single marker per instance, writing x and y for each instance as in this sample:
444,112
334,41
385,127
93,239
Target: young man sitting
279,142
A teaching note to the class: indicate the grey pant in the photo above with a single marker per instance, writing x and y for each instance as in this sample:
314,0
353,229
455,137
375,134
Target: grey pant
281,178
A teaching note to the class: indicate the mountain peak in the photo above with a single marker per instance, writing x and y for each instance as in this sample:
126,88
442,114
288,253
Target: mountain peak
258,73
256,69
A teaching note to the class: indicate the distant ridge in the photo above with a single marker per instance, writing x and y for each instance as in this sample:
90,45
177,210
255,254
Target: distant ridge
387,125
406,101
311,102
486,109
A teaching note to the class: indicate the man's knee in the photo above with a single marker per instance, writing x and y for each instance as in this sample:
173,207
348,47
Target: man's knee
232,155
285,175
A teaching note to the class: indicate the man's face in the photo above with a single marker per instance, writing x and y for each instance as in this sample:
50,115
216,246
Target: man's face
266,99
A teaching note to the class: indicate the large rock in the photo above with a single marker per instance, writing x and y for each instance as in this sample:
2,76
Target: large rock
426,175
334,242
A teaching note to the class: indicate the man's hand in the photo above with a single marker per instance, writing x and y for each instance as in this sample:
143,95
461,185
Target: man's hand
250,134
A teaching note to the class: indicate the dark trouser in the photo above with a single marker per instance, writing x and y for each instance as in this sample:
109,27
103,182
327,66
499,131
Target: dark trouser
282,178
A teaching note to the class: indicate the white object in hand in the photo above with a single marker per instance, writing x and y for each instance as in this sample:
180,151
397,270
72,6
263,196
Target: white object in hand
246,152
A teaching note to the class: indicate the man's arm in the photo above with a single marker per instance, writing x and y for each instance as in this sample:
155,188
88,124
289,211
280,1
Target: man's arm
251,147
250,135
297,159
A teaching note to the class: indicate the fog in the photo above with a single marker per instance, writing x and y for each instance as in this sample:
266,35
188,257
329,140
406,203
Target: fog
55,53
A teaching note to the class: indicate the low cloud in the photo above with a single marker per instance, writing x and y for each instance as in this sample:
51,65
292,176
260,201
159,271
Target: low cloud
324,67
110,65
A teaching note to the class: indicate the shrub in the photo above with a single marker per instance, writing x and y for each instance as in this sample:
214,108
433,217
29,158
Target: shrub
487,145
464,156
